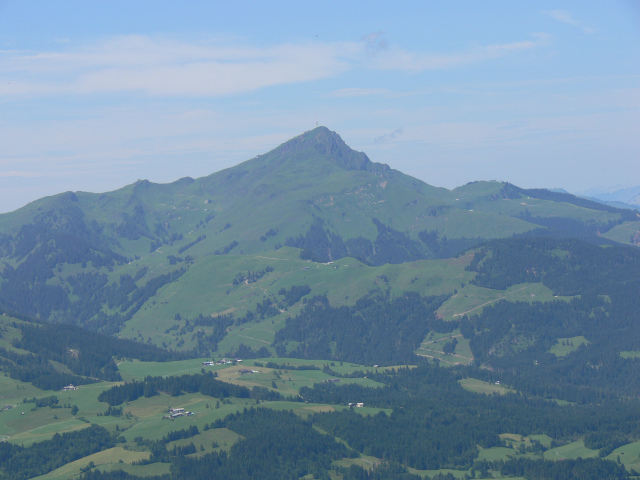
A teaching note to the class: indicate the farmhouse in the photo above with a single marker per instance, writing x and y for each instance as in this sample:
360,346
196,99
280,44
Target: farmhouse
69,387
208,364
176,410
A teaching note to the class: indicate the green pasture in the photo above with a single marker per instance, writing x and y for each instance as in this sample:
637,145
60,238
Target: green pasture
471,299
204,441
38,424
544,440
515,440
564,346
363,461
199,291
13,391
106,458
630,354
486,388
8,334
148,413
137,370
571,451
305,409
537,207
629,456
288,381
432,345
623,233
496,453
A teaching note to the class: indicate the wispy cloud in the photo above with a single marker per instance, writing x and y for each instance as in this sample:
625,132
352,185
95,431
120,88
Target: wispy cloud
168,67
359,92
566,17
18,173
399,59
389,136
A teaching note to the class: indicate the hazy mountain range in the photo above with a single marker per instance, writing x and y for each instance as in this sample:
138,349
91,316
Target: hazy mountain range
623,195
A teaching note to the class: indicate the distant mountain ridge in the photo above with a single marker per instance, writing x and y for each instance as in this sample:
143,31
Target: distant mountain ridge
626,195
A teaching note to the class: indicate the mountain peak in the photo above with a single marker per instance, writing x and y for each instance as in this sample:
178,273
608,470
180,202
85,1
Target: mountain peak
329,144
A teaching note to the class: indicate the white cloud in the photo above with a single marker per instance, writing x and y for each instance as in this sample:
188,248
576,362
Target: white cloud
399,59
167,67
18,173
566,17
359,92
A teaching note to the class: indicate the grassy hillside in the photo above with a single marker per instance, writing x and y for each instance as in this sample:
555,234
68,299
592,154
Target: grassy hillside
139,261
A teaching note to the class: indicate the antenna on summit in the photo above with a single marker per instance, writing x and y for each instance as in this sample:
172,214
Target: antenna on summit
316,119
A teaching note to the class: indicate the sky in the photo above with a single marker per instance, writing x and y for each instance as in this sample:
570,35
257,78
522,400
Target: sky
96,95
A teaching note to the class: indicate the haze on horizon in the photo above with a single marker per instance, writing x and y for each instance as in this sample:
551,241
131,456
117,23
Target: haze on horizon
540,94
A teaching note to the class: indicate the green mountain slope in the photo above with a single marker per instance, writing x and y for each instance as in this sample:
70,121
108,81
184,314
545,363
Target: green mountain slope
363,283
127,262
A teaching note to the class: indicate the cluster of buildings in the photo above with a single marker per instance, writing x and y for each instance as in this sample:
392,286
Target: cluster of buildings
177,412
223,361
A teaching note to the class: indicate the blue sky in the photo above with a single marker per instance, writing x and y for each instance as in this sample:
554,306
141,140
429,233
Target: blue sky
95,95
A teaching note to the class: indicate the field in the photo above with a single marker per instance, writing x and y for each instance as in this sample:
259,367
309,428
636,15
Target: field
213,440
628,455
624,233
144,416
343,282
112,456
486,388
471,299
629,354
136,370
565,346
572,450
26,424
432,347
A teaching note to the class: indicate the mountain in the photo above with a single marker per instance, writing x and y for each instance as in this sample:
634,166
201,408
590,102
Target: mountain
312,314
135,261
628,195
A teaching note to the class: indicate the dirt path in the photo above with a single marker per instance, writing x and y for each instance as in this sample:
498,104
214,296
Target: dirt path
490,301
256,339
438,358
444,338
